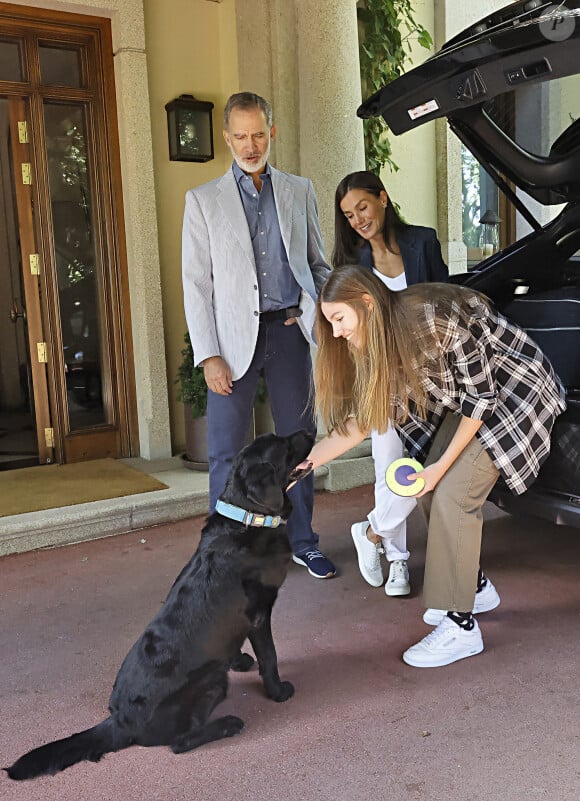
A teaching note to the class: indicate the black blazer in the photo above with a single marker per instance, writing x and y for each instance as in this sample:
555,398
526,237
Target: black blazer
421,254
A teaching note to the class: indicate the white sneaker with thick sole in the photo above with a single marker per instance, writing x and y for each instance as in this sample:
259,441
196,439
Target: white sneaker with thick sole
447,643
369,555
485,600
398,581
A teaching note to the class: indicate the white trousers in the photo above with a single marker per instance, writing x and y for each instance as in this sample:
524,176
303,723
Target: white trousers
389,517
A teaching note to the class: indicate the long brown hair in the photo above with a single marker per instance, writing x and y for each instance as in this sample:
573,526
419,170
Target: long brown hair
398,333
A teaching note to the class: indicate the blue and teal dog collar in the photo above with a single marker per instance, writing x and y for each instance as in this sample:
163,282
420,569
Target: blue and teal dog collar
247,518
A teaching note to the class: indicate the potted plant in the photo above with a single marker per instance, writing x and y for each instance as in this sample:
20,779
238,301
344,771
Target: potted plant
192,393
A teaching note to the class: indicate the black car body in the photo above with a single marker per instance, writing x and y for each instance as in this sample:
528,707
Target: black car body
498,84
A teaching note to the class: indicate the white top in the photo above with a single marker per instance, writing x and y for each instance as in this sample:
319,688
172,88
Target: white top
394,284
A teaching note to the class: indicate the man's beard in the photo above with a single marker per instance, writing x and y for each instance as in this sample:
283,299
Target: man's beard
248,166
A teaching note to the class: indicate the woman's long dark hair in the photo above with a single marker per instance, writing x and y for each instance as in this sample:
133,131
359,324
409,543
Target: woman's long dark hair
347,243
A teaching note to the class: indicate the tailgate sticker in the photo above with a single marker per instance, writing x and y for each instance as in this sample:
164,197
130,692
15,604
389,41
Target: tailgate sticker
424,108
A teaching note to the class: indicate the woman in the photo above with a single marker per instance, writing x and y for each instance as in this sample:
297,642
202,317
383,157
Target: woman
369,232
466,389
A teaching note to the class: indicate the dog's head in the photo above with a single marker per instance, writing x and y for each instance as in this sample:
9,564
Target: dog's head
262,472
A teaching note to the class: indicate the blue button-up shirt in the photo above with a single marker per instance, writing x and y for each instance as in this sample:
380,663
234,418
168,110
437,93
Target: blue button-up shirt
277,286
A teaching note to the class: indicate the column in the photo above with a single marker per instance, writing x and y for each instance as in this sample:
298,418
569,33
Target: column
331,135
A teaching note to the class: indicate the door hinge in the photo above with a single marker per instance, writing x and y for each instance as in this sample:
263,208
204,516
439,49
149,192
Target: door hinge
49,437
41,347
26,173
34,264
23,132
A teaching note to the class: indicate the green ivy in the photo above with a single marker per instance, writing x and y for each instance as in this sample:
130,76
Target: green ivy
387,28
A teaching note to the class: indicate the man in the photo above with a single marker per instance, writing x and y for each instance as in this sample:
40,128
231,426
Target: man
253,263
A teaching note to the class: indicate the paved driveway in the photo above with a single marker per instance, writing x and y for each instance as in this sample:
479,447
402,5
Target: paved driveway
502,726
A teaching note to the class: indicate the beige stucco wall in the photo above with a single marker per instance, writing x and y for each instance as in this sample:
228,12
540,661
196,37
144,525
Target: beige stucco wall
310,74
191,49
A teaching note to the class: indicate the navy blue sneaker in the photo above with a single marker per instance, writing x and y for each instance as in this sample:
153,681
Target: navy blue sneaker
316,563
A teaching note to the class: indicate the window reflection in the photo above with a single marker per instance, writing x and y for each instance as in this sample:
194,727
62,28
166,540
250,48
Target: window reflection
75,262
10,67
480,197
60,66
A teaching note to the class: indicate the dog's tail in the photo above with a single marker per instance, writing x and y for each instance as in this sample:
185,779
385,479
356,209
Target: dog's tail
51,758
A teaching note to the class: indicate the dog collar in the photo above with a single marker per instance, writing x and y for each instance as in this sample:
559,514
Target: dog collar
247,518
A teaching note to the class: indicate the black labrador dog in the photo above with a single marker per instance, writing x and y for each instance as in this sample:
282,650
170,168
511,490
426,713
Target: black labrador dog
177,672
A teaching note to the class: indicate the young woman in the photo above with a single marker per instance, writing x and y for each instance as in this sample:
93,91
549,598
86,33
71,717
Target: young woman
369,232
473,397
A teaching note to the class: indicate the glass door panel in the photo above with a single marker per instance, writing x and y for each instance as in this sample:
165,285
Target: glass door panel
77,268
10,63
60,66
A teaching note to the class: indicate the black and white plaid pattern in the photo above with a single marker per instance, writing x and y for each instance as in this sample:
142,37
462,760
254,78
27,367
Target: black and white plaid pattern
490,370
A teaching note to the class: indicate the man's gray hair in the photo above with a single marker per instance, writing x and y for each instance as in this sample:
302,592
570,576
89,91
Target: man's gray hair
247,101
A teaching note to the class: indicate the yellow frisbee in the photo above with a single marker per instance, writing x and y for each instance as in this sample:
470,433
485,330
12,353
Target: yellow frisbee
397,477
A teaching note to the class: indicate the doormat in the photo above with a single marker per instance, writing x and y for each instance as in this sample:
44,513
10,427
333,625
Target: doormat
32,489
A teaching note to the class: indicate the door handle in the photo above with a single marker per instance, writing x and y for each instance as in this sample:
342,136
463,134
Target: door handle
15,314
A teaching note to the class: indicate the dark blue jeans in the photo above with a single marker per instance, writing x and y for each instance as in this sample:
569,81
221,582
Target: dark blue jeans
283,356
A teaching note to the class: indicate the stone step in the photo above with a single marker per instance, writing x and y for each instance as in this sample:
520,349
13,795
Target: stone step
186,496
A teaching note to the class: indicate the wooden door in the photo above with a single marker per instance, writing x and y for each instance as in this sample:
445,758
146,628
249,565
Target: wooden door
56,70
27,412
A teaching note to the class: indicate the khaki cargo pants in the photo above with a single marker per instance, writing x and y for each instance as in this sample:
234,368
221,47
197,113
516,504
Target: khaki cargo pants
453,512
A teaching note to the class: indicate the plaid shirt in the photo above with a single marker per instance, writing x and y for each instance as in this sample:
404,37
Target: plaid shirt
487,369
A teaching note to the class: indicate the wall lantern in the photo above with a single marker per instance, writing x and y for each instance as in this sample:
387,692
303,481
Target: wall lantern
489,234
190,129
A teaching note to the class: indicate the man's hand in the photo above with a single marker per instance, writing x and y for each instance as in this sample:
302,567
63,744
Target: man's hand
218,375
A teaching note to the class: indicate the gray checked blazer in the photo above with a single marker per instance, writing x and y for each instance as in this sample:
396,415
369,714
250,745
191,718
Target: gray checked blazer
219,272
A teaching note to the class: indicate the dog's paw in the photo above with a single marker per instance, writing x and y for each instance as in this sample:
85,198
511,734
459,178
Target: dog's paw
241,663
283,692
231,725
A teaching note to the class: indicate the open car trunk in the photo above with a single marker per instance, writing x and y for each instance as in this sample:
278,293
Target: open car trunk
509,86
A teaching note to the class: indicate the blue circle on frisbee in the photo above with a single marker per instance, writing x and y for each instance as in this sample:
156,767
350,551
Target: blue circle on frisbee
397,477
402,475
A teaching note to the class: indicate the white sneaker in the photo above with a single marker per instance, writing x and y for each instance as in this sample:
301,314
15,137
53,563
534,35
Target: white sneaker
369,559
445,644
485,600
398,581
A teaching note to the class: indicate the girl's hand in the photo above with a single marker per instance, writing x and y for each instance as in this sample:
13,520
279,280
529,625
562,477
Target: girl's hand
300,471
431,475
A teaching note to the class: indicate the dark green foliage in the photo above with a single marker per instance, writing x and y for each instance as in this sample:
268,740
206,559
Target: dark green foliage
387,28
192,387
